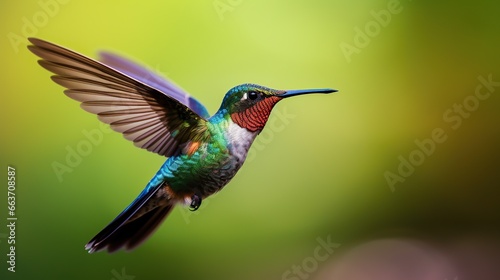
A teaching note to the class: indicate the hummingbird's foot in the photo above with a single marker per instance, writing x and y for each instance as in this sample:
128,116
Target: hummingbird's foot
195,202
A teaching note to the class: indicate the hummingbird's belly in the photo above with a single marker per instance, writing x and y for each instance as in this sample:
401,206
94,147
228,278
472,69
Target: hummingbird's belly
205,172
211,166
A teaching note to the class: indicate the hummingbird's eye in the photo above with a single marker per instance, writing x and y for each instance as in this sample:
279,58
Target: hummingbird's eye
252,95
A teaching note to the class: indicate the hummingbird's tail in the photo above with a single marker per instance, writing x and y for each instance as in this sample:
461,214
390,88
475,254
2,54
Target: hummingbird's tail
135,223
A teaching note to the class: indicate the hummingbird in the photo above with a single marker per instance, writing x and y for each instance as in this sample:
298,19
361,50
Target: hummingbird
203,152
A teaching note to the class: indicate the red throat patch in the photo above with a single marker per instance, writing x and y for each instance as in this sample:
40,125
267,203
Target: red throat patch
255,117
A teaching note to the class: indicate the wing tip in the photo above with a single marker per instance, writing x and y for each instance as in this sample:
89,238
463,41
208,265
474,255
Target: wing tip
34,40
39,43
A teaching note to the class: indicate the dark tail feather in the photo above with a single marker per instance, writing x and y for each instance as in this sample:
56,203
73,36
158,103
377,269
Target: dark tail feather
124,232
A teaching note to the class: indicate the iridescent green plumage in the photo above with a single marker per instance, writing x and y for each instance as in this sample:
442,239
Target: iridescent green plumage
204,153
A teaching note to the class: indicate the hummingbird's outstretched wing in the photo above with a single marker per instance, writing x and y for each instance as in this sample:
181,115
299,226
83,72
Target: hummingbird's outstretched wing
145,114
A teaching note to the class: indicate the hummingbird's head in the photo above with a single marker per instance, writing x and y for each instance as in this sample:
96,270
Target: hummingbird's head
250,105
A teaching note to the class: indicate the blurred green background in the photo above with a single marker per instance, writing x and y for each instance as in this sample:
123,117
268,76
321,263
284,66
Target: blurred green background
320,170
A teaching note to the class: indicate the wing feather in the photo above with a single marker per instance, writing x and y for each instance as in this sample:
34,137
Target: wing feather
148,77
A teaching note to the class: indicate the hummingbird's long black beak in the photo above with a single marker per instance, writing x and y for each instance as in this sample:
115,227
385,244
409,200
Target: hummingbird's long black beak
289,93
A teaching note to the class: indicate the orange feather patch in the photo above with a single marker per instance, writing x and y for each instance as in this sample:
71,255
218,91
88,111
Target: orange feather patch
192,147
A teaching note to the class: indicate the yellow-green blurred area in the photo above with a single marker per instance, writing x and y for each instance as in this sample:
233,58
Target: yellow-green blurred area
408,146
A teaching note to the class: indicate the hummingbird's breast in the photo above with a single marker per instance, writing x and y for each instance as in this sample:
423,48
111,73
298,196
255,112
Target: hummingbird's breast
213,164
